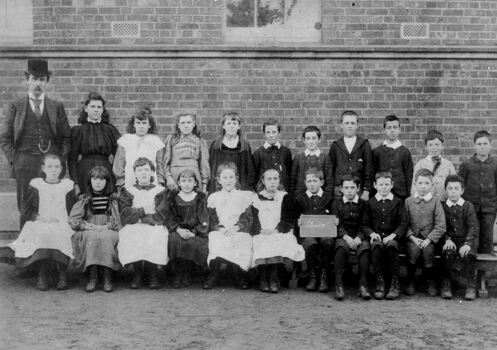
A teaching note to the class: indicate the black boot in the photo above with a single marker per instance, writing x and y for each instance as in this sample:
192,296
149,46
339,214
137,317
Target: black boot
393,292
339,291
92,279
62,283
379,292
312,286
178,273
264,278
274,282
137,276
323,282
153,280
108,287
42,283
210,282
445,291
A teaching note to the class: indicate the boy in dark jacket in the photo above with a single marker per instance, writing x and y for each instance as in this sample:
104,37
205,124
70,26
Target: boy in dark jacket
318,251
461,237
351,154
272,154
394,157
480,182
386,227
351,212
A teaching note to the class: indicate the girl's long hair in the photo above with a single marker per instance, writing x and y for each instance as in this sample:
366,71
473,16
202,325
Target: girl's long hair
226,166
99,172
188,173
52,156
177,132
142,113
260,185
92,96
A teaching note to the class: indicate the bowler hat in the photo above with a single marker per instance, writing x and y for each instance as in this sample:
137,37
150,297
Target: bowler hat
38,67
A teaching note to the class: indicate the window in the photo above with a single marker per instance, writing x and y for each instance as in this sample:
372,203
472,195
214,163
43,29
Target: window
267,21
16,22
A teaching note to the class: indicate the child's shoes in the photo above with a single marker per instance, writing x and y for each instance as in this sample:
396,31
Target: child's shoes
470,294
410,289
431,290
42,283
62,283
137,276
323,282
364,293
108,287
379,292
312,286
92,279
393,292
445,291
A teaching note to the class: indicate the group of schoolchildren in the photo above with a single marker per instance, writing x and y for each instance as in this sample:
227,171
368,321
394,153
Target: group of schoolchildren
162,213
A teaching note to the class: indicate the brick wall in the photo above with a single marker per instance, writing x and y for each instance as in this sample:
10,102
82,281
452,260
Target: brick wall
455,91
71,23
456,97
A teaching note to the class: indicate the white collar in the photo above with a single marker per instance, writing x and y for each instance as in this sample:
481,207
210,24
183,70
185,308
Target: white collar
94,121
427,197
310,194
389,197
355,199
32,97
393,145
266,145
459,202
316,152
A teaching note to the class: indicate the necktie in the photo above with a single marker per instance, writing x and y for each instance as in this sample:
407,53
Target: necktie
37,103
437,160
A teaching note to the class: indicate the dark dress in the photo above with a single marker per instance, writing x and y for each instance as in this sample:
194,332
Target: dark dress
95,143
196,217
241,156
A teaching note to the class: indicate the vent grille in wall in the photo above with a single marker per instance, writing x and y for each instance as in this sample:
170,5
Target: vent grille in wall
125,29
414,31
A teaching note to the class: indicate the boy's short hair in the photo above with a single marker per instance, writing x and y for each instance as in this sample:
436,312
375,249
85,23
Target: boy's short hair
454,178
349,177
423,172
349,113
316,172
390,118
433,135
142,161
481,133
383,174
271,122
311,128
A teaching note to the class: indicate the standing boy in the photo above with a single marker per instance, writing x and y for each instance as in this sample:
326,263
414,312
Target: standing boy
272,154
394,157
461,237
318,251
312,157
351,154
480,182
434,162
387,225
426,226
351,212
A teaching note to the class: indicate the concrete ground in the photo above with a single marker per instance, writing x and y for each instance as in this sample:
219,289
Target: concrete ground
227,318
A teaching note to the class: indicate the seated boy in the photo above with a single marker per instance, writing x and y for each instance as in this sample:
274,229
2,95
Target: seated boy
426,226
351,212
318,251
386,226
461,237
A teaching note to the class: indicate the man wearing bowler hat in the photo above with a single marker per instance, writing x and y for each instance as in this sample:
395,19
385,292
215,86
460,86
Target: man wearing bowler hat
34,125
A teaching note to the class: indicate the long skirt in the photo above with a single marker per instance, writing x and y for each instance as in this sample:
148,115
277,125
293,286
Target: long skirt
40,240
276,248
143,242
236,248
96,247
194,249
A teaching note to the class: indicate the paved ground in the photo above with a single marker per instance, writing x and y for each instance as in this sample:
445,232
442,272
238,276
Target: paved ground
232,319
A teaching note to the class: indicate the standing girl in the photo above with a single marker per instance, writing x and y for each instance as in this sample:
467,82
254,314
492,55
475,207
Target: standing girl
185,149
95,218
94,140
189,223
143,239
45,237
231,148
140,141
232,243
274,242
